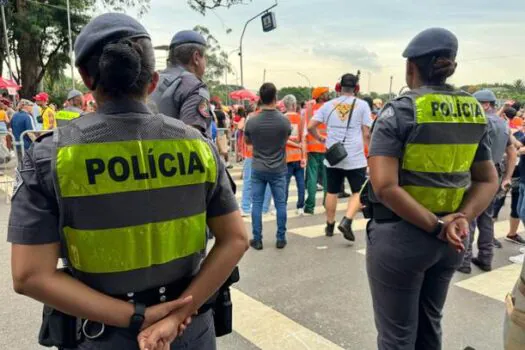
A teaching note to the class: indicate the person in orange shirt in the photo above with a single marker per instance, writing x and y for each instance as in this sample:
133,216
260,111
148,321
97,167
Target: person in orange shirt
295,151
316,151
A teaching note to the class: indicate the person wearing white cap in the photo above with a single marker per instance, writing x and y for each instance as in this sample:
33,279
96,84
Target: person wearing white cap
75,100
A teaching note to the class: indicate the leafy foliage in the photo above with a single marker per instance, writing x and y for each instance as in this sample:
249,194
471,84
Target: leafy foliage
39,37
217,60
301,93
58,87
202,6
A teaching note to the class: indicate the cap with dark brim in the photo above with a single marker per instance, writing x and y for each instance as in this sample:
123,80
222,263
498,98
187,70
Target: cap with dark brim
432,40
106,28
188,37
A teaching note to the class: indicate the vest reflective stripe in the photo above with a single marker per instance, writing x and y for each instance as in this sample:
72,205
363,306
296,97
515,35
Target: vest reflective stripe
439,108
436,164
437,200
294,154
115,250
67,115
113,167
312,145
439,158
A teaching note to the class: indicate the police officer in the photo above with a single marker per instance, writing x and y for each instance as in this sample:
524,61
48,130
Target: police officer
514,325
181,93
73,110
431,174
499,134
123,166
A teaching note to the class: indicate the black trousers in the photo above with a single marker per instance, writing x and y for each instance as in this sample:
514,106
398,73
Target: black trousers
409,273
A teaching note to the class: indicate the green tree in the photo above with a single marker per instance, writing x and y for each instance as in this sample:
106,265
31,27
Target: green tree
301,93
58,88
38,35
217,63
519,86
204,5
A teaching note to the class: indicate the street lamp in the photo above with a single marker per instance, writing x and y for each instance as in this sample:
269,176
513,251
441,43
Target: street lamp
307,79
72,63
3,3
242,36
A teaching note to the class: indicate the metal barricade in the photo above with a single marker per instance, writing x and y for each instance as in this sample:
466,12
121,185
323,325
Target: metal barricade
8,163
32,135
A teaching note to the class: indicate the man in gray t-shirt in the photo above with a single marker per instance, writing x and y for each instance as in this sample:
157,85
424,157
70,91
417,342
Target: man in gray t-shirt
268,132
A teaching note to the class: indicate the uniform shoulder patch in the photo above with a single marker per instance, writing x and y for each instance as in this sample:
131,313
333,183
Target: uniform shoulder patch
387,112
204,108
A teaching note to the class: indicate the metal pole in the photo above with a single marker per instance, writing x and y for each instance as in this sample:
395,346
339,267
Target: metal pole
72,63
242,36
264,76
7,50
307,79
390,91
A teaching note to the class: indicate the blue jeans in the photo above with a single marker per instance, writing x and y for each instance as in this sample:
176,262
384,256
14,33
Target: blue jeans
277,182
246,201
295,170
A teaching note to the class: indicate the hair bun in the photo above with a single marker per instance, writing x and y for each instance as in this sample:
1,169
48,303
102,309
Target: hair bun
120,65
444,67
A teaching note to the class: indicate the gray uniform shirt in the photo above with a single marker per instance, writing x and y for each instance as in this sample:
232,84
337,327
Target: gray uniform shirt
187,99
268,132
34,215
499,135
394,125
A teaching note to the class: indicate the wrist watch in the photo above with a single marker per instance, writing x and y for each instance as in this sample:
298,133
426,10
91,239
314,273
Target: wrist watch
439,227
137,319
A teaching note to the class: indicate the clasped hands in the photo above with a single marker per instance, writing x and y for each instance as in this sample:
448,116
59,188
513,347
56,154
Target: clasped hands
163,323
455,230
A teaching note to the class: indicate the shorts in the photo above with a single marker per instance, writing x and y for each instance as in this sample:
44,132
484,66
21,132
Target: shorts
335,179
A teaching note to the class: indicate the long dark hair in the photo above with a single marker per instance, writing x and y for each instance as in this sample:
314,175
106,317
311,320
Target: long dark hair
435,68
123,68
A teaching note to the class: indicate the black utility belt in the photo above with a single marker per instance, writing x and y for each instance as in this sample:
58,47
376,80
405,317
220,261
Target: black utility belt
169,292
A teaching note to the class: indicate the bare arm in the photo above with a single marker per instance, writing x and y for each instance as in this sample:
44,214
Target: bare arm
482,191
35,275
312,129
230,245
385,181
512,156
366,134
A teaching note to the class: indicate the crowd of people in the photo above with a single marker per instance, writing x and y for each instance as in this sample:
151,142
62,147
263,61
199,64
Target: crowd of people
426,163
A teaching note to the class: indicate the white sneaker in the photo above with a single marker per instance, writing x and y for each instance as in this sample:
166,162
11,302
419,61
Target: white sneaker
518,259
245,215
273,212
522,250
300,211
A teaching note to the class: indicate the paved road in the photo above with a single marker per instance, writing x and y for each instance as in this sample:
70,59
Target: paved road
312,295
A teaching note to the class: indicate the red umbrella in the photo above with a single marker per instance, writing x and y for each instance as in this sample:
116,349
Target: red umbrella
244,95
8,83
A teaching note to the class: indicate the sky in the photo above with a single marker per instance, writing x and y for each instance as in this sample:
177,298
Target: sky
323,39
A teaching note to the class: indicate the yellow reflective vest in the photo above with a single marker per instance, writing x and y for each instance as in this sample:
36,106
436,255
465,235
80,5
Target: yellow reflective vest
133,210
66,115
440,150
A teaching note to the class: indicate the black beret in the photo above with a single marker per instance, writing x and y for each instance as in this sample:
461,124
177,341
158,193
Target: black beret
106,28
